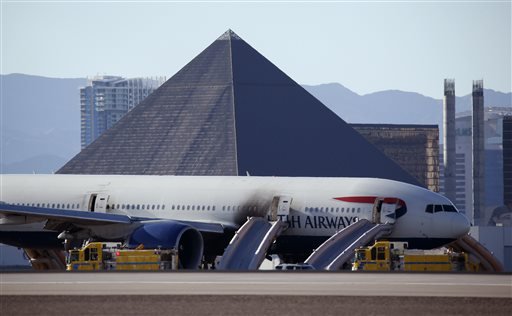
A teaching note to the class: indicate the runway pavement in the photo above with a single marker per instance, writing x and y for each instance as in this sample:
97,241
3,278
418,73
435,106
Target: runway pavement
261,293
258,283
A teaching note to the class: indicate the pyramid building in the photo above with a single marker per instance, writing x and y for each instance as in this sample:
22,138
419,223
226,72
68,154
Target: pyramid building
230,111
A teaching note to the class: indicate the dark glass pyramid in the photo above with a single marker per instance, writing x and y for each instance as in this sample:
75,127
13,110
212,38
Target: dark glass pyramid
228,112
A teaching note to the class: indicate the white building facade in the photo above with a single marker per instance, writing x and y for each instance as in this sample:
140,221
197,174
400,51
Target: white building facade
106,99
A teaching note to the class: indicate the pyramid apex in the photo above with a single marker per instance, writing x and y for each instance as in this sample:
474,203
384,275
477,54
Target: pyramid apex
229,35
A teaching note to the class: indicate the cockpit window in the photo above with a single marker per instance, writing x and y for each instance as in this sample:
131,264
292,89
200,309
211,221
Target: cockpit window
449,208
431,208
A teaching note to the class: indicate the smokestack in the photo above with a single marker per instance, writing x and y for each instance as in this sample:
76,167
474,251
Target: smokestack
449,160
478,151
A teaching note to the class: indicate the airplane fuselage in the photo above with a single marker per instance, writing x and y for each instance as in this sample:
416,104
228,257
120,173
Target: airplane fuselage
318,207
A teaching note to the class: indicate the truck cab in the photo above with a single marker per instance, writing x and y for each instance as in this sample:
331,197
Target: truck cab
381,256
91,257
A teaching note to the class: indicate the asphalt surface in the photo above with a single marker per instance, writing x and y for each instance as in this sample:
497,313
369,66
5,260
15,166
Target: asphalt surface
257,283
218,293
251,305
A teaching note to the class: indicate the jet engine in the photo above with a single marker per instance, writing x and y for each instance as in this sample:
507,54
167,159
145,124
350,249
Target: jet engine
171,234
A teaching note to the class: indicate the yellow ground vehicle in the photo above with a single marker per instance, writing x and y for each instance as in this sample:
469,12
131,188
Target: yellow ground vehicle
395,256
111,256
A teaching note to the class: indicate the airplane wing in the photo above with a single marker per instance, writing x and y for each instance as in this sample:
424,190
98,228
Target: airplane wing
91,218
79,217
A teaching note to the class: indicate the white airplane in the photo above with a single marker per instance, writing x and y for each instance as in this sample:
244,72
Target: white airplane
201,213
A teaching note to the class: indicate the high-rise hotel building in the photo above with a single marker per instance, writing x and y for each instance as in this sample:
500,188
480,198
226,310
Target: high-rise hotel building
106,99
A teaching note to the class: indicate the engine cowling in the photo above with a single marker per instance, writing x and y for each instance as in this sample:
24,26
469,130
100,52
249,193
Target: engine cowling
170,234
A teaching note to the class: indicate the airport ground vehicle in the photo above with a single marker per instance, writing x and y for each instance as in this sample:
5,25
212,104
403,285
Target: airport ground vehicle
395,256
294,266
111,256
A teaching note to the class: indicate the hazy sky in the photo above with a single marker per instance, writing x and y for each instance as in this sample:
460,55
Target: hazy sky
367,46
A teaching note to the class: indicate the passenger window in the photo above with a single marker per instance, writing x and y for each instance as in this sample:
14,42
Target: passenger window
430,208
438,208
163,206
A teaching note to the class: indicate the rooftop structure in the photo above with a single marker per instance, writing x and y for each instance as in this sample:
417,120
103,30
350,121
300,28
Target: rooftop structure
449,158
478,151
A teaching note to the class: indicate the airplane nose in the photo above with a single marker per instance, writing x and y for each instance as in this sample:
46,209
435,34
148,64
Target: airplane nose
460,225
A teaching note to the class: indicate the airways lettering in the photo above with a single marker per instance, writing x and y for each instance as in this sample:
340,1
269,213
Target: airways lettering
318,222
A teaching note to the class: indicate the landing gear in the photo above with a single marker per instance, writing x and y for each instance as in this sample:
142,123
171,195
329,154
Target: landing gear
208,262
67,245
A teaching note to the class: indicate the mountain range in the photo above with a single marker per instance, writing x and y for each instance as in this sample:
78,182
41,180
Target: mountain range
40,117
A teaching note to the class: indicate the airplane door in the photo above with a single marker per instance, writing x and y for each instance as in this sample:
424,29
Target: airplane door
98,202
387,213
280,207
377,208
